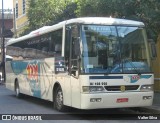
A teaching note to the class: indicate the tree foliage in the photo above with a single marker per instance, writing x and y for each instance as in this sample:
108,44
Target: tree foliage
42,12
147,11
48,12
67,13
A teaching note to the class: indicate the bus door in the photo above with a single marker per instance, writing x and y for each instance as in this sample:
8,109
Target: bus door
72,58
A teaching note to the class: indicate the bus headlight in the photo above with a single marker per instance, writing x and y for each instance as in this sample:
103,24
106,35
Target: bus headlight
92,88
146,88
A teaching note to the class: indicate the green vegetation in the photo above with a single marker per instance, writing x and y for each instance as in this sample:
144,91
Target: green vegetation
48,12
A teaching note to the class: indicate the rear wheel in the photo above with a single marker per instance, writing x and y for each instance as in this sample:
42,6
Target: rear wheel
17,90
58,100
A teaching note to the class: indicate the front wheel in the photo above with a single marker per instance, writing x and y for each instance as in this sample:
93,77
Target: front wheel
58,100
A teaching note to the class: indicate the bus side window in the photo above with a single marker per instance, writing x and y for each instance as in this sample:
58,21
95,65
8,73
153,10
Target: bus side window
57,42
58,49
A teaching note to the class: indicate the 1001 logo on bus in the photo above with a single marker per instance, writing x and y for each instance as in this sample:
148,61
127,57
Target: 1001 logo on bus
136,77
32,72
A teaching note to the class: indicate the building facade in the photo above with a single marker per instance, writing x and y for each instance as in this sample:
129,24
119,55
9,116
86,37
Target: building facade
20,20
8,24
156,66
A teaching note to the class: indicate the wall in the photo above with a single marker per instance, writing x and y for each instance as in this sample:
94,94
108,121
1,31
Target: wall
22,20
156,66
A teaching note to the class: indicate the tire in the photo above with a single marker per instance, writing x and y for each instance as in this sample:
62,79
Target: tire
58,100
17,90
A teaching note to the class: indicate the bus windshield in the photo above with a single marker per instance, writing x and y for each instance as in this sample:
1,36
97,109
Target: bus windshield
114,49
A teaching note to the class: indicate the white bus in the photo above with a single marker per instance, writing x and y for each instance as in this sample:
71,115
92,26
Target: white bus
85,63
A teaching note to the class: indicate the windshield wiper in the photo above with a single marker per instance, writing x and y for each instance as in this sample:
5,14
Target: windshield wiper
132,65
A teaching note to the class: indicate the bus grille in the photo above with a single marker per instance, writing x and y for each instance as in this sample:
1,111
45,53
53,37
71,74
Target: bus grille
118,88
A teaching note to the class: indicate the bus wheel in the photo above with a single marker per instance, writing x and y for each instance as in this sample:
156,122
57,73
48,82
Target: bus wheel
58,100
17,90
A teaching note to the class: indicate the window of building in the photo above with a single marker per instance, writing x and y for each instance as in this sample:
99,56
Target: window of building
24,6
16,10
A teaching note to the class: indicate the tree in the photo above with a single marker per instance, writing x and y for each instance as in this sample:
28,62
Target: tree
42,12
48,12
68,12
149,12
141,10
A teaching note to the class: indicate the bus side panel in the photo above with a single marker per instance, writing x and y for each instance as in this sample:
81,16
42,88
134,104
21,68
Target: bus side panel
9,76
35,78
66,88
46,78
76,95
14,72
20,68
25,74
46,87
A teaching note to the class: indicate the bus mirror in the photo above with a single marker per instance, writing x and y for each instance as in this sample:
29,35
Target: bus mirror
74,72
77,47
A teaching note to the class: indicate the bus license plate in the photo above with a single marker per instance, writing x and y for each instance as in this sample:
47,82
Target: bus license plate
122,100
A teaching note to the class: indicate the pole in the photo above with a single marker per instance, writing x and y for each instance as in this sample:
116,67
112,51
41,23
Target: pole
2,24
3,47
14,17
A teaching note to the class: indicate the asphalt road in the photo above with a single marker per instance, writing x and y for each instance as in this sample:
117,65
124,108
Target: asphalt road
26,106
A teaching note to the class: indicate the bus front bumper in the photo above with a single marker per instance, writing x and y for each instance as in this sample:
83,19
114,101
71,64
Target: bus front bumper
116,100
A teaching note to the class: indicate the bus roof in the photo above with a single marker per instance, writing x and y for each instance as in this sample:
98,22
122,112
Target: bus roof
105,21
83,20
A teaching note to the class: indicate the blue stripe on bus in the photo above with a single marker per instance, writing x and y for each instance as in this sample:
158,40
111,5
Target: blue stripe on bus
106,77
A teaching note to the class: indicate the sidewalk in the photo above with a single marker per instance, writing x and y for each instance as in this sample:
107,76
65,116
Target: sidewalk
155,108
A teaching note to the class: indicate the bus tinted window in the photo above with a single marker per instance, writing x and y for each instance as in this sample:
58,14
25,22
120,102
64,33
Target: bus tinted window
44,46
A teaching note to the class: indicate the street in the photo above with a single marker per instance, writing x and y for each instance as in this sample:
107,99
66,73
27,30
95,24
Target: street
9,104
